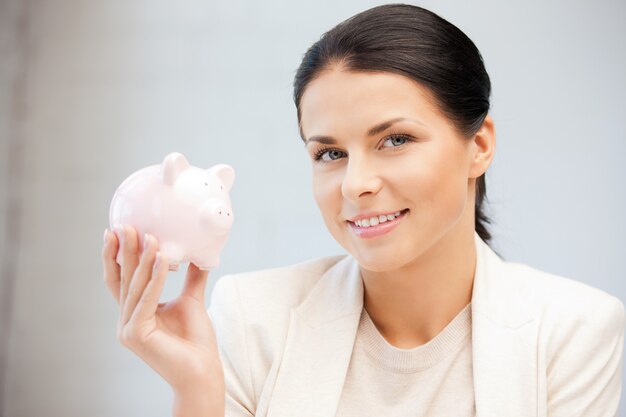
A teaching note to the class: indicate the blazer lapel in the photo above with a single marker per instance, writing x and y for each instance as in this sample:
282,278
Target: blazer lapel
322,330
319,345
504,341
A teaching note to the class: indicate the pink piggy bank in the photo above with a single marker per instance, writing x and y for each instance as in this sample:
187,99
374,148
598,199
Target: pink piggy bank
186,208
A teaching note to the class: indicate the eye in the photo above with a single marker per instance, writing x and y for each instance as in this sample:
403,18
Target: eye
333,154
396,140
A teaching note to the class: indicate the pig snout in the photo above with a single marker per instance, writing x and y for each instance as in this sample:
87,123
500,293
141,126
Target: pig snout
218,216
223,216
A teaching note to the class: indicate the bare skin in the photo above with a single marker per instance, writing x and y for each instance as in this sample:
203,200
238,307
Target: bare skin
419,276
175,338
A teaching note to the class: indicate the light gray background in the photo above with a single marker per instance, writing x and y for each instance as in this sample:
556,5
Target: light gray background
90,91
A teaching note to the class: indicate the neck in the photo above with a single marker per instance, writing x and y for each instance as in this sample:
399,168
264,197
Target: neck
413,304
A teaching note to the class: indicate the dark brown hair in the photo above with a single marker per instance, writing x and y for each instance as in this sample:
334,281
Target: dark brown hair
414,42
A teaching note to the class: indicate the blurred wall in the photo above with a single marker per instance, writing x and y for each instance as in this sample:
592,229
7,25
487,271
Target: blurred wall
11,25
92,91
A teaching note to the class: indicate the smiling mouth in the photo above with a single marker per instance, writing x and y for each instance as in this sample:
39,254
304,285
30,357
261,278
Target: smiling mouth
377,220
380,229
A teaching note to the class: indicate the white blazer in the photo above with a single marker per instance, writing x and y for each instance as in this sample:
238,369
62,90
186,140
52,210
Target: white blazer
543,345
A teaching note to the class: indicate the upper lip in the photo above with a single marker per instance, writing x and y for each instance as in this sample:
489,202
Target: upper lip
372,214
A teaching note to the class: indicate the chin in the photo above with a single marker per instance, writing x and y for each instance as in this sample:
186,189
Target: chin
376,256
376,261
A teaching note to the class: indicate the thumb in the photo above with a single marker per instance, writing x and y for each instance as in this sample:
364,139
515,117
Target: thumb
195,282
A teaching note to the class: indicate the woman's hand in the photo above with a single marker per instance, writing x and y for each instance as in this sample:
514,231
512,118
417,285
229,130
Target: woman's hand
175,338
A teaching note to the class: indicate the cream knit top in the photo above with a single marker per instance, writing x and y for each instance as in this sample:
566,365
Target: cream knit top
431,380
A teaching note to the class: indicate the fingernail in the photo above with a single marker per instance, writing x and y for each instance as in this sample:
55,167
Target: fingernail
157,262
120,231
106,231
145,241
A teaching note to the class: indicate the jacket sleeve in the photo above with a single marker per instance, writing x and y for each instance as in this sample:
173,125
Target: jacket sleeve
584,373
230,330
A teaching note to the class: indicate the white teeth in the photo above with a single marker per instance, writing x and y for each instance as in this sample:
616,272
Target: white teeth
373,221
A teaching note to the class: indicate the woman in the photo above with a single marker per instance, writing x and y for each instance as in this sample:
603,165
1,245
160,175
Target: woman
421,317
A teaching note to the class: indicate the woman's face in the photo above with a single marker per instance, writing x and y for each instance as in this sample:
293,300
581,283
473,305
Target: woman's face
379,146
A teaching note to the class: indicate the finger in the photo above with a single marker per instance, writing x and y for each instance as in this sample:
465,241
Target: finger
130,258
140,278
149,301
111,268
195,282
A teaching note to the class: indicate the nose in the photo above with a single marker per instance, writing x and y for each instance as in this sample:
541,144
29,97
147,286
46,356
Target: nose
219,215
224,213
361,178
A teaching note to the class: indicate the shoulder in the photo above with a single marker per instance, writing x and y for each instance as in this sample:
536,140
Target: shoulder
580,338
549,291
250,313
261,300
285,285
564,305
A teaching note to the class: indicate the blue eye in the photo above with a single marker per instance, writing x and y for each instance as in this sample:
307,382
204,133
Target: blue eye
332,153
397,140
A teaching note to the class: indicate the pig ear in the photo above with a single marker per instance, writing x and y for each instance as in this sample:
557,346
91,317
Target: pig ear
172,166
225,173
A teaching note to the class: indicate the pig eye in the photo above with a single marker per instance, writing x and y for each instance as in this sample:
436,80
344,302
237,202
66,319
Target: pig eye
221,188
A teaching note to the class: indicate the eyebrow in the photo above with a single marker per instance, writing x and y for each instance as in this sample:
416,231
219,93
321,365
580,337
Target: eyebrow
381,127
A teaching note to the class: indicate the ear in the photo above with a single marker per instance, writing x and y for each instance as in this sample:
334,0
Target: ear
483,148
172,166
225,173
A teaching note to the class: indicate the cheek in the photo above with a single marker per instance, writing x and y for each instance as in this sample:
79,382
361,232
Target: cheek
438,185
324,192
327,195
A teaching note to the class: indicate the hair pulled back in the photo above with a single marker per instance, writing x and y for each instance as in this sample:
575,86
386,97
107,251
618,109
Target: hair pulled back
416,43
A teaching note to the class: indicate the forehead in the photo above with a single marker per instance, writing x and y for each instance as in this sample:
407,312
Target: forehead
338,99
